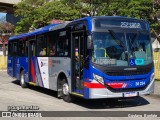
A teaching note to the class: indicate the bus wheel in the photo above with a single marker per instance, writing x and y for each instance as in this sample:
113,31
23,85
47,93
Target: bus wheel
22,80
65,91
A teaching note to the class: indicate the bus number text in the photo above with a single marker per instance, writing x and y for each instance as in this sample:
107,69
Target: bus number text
140,83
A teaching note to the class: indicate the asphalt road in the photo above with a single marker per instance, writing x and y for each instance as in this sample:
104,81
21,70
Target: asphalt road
11,94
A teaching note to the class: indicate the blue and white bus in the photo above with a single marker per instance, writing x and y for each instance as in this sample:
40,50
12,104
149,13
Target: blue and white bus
92,57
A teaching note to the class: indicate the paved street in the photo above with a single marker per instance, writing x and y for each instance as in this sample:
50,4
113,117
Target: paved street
12,94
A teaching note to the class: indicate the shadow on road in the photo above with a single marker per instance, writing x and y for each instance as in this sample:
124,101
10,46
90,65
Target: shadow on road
95,103
38,89
111,103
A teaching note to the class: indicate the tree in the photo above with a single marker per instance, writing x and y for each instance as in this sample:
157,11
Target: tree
6,30
27,9
57,10
36,12
130,8
144,9
85,7
154,19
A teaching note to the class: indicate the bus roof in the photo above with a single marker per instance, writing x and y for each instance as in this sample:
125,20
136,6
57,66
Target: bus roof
62,25
89,19
35,32
59,26
118,17
110,17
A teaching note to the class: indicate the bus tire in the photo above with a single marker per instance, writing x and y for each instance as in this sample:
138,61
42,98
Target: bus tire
22,80
67,97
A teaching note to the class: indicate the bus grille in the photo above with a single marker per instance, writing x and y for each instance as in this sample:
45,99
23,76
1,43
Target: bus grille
126,89
127,73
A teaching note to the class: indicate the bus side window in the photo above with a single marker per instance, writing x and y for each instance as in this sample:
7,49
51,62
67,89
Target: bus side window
15,51
33,49
62,44
41,46
26,48
62,47
10,48
52,44
21,47
66,47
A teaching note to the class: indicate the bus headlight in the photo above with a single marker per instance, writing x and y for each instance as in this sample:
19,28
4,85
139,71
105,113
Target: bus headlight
152,77
98,78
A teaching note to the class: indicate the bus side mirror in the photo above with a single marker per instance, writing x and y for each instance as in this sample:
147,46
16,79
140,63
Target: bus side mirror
89,43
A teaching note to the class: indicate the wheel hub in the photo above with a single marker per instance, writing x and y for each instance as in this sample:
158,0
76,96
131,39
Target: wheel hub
22,79
65,89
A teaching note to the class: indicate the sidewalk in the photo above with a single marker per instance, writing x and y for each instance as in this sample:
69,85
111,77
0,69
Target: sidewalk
3,62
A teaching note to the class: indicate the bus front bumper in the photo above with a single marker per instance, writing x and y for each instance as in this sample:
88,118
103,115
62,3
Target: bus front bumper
97,93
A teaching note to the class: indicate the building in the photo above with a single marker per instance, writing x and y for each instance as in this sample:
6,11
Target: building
1,46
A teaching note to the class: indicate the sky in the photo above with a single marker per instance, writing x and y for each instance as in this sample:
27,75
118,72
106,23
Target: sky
2,14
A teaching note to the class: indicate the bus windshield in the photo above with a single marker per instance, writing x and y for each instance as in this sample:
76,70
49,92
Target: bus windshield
121,48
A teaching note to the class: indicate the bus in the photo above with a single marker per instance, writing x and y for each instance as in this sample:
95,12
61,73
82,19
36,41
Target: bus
92,57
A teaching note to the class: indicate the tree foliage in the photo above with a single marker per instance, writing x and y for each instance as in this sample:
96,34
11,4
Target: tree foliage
27,9
37,11
6,30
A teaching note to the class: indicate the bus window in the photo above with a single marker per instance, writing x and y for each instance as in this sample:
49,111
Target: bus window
26,48
52,44
10,49
62,44
22,48
15,52
41,46
62,47
33,49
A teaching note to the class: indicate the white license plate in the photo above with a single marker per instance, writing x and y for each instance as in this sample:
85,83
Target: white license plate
130,94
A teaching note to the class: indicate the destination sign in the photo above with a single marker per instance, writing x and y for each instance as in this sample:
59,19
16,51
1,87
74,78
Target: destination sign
127,24
130,25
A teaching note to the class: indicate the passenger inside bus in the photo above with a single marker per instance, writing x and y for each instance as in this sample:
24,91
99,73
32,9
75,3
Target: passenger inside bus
140,48
52,50
43,52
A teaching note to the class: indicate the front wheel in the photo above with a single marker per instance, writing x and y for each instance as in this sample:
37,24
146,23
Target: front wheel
22,80
65,92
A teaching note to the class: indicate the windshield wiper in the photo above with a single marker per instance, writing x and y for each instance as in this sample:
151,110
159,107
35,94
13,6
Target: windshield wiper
133,40
134,37
118,41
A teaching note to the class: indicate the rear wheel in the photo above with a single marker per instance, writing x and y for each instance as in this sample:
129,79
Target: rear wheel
65,91
22,80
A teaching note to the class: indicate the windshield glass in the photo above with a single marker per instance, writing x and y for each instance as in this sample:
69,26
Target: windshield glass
121,49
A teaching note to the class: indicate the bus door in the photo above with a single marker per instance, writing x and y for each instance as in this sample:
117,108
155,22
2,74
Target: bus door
77,61
31,61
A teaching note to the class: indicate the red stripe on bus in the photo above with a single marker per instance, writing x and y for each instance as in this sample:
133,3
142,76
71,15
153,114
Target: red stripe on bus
116,85
93,85
33,72
98,85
